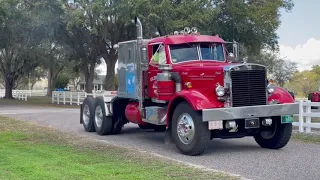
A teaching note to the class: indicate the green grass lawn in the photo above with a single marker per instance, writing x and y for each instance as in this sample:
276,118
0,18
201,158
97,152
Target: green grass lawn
37,101
308,138
29,151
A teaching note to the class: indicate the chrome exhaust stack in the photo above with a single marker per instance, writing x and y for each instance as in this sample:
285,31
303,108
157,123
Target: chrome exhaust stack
139,28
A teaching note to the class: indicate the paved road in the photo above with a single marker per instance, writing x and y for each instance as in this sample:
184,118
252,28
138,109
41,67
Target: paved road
238,156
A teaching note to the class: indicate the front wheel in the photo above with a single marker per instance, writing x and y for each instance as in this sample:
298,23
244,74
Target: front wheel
189,133
275,136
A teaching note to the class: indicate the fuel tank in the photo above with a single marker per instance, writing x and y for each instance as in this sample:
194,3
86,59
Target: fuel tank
132,113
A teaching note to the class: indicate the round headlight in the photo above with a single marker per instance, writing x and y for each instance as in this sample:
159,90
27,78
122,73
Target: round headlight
220,91
271,88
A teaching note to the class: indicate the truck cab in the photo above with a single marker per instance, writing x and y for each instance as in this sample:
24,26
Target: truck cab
187,86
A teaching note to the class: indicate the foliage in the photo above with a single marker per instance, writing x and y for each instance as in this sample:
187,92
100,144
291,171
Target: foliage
283,71
26,26
304,83
62,81
53,34
252,23
19,50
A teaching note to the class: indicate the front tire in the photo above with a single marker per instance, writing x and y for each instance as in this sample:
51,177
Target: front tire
87,113
276,136
189,133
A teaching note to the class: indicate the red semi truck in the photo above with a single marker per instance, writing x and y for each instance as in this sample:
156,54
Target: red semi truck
186,86
314,97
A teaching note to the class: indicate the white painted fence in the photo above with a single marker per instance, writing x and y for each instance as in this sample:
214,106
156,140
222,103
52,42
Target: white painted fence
306,114
24,94
68,97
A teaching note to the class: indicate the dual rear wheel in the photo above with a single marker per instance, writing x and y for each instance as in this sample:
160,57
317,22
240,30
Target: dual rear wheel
94,117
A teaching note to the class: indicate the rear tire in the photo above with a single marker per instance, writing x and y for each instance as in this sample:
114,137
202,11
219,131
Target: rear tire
102,123
87,113
276,138
191,121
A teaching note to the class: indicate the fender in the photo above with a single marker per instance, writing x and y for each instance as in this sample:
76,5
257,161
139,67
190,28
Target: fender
282,96
196,99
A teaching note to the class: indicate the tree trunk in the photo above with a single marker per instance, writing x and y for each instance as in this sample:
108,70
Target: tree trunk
109,82
89,76
9,87
52,77
49,90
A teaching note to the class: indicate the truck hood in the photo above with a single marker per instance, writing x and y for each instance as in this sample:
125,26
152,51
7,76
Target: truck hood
201,66
201,73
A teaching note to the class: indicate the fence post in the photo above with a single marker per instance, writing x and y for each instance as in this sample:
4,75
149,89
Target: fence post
308,118
78,99
26,96
58,97
64,97
71,98
52,97
301,116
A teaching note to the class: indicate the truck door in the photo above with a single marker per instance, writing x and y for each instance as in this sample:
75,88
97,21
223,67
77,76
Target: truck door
158,57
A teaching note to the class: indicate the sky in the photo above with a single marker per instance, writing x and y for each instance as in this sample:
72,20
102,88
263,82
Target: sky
299,34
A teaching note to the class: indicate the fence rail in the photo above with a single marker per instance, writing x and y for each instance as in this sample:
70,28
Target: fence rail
68,97
24,94
306,114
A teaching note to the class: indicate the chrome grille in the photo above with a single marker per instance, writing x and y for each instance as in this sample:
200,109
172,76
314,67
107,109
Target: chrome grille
248,87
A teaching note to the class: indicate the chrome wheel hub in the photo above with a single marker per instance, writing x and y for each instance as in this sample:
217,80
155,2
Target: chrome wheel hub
185,128
98,118
86,114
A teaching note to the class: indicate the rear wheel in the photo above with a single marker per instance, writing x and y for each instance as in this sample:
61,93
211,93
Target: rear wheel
88,114
275,136
189,133
103,124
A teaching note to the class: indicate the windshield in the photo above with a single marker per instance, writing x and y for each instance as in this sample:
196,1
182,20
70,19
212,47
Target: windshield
189,51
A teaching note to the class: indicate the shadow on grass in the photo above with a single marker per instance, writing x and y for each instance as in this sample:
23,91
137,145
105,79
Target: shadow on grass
36,101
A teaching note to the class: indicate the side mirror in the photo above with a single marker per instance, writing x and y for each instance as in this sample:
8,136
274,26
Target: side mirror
231,57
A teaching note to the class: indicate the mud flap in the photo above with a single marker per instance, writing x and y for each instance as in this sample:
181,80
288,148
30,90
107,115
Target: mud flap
81,111
168,137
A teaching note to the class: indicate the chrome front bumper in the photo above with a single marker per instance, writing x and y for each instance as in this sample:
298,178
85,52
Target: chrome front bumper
249,112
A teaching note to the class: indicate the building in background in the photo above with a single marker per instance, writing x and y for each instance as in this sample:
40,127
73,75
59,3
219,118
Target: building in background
98,82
